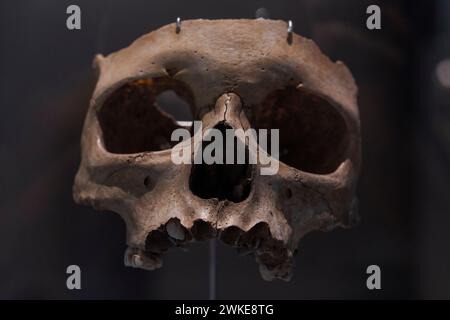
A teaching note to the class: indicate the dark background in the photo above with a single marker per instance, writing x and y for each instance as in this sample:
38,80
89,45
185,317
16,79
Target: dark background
46,80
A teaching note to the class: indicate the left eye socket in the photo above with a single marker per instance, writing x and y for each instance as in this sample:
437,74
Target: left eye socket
313,134
138,117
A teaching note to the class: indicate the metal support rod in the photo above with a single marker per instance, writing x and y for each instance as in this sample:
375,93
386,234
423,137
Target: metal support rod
212,268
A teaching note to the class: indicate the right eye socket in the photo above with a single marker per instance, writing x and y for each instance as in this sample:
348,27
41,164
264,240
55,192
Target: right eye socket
138,117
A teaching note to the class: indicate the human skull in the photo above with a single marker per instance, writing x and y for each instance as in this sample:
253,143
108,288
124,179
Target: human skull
233,74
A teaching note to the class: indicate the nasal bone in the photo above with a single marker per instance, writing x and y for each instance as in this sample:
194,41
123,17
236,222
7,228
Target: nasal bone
228,107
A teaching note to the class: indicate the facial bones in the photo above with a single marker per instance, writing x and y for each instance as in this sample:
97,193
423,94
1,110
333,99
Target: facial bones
236,74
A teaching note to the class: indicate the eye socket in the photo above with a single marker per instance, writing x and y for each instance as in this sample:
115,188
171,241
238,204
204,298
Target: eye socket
313,134
169,102
138,117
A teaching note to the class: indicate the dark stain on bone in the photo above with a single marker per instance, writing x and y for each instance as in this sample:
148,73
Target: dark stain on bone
313,136
131,121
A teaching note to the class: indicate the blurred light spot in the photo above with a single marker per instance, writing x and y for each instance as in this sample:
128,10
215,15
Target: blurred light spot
262,13
443,73
186,124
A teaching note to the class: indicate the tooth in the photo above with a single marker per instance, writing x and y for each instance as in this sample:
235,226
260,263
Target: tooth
128,256
132,258
136,261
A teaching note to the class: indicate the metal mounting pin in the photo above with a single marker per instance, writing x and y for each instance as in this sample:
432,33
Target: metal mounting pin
178,25
290,28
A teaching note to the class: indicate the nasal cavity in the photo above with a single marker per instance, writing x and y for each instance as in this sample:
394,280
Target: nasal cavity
229,176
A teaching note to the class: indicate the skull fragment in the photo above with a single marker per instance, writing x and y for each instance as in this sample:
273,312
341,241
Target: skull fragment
235,74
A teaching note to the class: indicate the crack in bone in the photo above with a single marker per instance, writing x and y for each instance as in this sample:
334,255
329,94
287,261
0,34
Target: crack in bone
227,100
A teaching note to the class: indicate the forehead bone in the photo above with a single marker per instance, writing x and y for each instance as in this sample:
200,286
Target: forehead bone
248,57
